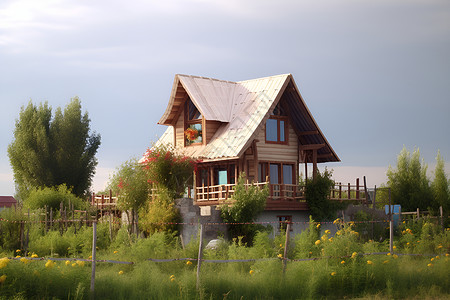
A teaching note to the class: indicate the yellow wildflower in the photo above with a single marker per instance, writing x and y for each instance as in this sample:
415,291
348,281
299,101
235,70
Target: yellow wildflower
394,247
342,262
369,262
2,278
115,251
439,247
49,264
67,262
317,242
446,254
251,272
280,255
385,262
172,277
330,239
74,264
80,263
395,256
354,254
4,262
389,253
336,221
281,245
18,256
437,257
333,274
24,260
120,272
90,257
430,265
339,232
318,225
407,244
189,262
34,255
324,237
18,251
432,259
327,231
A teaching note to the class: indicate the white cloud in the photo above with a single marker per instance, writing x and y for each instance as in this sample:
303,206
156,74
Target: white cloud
101,178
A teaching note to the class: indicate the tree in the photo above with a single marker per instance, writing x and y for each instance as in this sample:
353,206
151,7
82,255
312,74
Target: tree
245,205
317,192
440,185
409,183
48,152
129,182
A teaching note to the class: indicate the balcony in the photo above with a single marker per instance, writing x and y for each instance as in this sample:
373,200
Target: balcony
281,196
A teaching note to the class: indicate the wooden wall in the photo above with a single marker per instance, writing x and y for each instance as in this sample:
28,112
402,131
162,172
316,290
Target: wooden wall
278,152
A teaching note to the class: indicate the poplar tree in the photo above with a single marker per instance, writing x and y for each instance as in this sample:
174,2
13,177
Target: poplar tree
440,185
48,152
409,184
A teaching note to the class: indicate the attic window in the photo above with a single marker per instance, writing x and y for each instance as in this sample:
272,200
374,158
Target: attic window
193,126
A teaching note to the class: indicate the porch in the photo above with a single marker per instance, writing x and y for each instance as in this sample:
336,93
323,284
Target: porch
281,196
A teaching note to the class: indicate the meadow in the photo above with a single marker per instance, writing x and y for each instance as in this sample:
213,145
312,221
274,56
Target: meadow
317,265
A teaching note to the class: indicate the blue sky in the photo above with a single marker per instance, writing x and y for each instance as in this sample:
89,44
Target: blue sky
375,74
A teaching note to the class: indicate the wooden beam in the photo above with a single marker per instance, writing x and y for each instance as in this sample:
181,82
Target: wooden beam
314,163
312,132
312,146
255,160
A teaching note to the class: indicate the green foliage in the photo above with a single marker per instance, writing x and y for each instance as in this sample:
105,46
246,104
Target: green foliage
161,209
317,194
169,170
440,186
52,197
246,203
129,182
11,230
409,183
49,152
305,242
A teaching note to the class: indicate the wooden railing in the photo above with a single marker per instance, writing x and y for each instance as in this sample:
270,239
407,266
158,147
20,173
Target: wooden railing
277,192
104,202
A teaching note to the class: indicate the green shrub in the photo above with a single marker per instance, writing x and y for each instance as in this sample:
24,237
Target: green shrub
52,197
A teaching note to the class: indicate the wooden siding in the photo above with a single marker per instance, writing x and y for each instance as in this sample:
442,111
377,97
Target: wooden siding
211,128
179,131
278,152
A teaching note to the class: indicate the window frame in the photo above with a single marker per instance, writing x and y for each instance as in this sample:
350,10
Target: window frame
279,119
189,122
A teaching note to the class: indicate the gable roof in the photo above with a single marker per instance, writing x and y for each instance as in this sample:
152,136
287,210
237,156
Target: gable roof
243,107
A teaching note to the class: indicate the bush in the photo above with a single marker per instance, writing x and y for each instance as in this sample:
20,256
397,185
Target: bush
52,197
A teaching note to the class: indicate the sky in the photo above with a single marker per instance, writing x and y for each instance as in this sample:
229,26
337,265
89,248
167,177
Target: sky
374,74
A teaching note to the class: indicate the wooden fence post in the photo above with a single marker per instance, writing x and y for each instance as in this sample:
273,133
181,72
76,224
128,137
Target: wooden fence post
286,244
94,250
200,256
391,226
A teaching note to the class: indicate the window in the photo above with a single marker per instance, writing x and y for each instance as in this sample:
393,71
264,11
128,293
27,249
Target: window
276,126
193,124
283,220
278,173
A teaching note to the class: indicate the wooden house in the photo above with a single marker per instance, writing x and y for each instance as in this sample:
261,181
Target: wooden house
261,127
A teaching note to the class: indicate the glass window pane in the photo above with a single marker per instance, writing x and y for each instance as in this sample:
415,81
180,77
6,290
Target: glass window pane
287,174
274,173
282,139
222,177
271,130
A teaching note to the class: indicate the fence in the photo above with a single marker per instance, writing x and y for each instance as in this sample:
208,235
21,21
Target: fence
284,259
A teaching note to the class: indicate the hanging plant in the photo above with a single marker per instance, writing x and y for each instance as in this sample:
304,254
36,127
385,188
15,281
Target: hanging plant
191,134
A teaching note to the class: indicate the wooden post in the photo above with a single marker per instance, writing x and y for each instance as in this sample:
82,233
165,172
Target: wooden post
391,226
441,211
94,247
314,163
200,256
349,190
46,219
418,213
357,188
286,244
